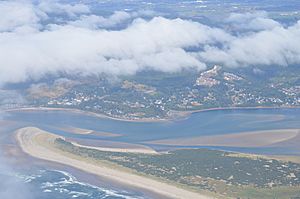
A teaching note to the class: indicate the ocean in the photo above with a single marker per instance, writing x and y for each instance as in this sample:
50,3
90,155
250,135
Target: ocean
50,184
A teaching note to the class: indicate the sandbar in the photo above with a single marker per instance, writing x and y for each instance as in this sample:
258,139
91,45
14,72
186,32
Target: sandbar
81,131
104,145
39,144
244,139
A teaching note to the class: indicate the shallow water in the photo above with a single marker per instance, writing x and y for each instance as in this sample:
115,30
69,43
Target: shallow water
48,184
201,123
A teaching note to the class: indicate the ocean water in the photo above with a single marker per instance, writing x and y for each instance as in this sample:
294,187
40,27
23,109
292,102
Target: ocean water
50,184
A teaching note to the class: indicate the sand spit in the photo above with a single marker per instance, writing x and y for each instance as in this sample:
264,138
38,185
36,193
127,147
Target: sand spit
81,131
39,144
132,148
244,139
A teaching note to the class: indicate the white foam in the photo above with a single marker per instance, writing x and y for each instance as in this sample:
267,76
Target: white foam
108,192
61,186
27,178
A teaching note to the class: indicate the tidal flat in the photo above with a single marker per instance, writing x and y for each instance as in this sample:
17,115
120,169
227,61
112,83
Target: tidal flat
139,135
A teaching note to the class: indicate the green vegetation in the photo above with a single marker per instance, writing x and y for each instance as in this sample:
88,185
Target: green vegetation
202,169
152,94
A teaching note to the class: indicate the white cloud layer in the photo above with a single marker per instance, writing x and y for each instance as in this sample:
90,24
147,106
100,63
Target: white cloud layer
95,22
51,6
278,46
82,44
10,186
14,15
252,21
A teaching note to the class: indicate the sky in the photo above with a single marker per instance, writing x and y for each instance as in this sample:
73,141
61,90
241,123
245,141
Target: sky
47,37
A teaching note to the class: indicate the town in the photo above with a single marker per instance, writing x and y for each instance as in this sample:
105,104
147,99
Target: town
162,96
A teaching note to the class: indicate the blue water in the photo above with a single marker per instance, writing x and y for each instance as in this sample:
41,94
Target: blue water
202,123
50,184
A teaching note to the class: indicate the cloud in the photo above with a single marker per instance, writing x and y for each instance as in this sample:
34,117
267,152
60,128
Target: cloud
55,7
117,18
156,44
25,14
15,15
278,46
50,37
10,186
255,21
95,22
10,97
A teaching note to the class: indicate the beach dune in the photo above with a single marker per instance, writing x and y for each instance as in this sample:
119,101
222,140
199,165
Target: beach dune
39,144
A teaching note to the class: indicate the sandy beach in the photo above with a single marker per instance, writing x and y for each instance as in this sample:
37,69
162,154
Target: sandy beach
112,146
39,144
105,145
81,131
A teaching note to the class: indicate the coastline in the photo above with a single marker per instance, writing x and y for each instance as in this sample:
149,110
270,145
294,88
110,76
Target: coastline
88,113
37,143
177,115
188,113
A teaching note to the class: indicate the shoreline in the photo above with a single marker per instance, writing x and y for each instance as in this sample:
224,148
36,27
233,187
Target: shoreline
24,163
178,115
188,113
29,138
146,150
88,113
